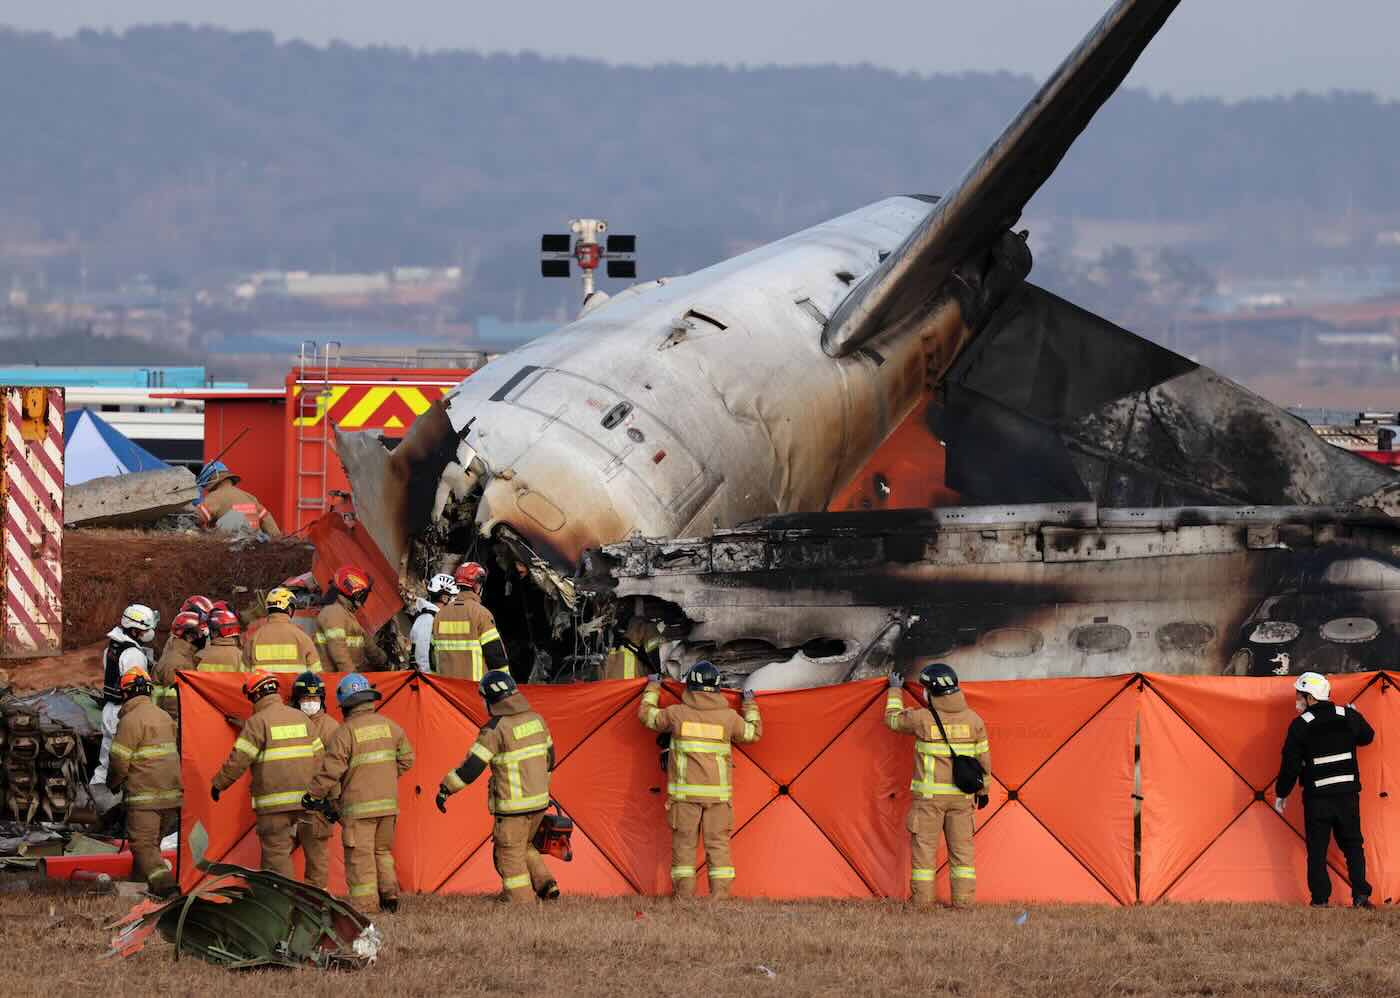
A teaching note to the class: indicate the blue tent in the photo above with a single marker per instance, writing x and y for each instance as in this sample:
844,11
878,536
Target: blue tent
92,449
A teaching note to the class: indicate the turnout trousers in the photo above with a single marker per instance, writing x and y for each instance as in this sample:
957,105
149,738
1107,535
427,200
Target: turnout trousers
313,834
523,872
144,831
275,835
692,823
950,817
1323,818
369,861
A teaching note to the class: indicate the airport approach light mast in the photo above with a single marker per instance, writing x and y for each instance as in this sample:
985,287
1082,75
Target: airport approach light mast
584,249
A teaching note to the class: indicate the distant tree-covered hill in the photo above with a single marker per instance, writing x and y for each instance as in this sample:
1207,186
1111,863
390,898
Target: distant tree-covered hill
184,152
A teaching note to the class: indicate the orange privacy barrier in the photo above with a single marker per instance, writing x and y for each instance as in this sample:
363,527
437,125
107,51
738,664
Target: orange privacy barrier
820,802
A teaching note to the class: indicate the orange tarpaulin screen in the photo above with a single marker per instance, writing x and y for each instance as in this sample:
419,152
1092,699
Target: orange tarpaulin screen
820,802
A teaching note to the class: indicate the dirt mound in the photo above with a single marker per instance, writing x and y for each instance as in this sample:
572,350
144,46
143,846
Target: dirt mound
105,570
80,667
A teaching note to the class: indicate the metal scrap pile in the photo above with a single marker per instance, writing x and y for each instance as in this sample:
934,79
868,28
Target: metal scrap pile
46,740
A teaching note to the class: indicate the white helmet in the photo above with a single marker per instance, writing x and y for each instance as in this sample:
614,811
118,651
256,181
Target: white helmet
141,618
1315,685
442,583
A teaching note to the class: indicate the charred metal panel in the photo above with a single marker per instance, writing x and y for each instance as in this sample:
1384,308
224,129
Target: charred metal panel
1191,590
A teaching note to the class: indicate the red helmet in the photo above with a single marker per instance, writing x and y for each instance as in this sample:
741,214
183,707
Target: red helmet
470,574
220,604
198,604
224,624
353,583
190,625
258,684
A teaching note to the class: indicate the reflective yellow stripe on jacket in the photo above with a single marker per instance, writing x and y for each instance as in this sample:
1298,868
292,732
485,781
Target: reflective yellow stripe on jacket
697,738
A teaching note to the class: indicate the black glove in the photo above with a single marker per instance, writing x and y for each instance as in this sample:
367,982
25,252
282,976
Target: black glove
896,680
309,803
214,792
442,799
982,801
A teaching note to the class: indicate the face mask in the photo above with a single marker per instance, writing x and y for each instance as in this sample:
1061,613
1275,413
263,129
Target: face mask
310,707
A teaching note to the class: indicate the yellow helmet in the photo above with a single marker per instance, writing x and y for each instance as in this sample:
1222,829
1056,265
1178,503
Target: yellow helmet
280,600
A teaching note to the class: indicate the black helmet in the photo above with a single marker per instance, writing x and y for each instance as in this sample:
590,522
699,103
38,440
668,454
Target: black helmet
308,684
703,677
496,685
939,680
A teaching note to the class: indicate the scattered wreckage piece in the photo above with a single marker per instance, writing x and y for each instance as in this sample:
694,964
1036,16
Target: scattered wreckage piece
141,497
240,919
46,740
1003,592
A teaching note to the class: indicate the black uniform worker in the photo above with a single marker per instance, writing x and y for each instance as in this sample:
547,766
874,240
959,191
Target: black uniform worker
1320,753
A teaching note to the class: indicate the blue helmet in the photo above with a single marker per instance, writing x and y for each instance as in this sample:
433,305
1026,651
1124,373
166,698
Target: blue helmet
354,689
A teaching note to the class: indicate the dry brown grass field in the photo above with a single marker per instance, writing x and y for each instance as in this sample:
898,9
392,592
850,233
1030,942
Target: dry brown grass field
51,944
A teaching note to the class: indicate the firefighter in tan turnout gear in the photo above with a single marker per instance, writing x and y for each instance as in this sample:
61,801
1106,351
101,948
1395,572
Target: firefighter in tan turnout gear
314,831
634,651
146,763
189,633
944,794
466,644
344,645
223,652
358,783
279,746
517,746
279,645
699,793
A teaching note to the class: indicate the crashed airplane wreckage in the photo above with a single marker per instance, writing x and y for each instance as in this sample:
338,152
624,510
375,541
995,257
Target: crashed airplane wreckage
241,919
1023,592
767,384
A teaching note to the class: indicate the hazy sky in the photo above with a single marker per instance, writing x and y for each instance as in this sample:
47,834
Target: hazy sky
1231,48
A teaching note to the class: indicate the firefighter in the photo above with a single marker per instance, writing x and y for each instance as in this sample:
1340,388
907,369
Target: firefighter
358,782
341,639
223,496
466,644
1319,752
280,747
314,831
940,806
516,744
146,762
634,650
699,793
442,589
279,645
189,632
223,652
128,647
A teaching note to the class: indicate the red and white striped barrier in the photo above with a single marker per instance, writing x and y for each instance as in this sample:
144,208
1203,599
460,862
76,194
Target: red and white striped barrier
31,521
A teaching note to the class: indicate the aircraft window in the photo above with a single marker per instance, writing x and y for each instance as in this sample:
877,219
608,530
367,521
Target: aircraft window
1100,639
1350,630
702,317
845,276
1185,635
1011,642
1275,632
